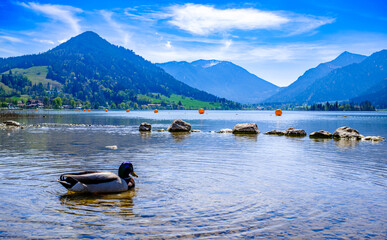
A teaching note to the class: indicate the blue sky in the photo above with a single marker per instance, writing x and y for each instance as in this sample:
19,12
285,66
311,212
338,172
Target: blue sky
278,40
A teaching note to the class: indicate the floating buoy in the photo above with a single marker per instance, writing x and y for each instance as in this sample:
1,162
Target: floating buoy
156,111
127,110
88,110
84,110
201,111
278,112
77,110
106,110
37,109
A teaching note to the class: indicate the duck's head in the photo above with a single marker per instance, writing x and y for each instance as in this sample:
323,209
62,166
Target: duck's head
125,169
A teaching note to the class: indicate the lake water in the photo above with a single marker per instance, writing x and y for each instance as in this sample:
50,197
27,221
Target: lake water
197,185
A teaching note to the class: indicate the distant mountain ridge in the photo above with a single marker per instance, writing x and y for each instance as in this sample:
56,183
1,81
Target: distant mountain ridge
292,92
348,82
92,69
221,78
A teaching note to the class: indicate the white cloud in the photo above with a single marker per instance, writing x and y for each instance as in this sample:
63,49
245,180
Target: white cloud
45,41
203,20
11,39
302,24
62,13
168,45
118,27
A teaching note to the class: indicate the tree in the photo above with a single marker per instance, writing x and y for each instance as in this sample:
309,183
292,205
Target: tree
57,102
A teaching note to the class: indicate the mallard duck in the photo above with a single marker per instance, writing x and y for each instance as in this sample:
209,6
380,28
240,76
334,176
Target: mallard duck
100,181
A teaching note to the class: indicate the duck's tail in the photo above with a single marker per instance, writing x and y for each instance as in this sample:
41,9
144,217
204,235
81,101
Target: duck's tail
67,182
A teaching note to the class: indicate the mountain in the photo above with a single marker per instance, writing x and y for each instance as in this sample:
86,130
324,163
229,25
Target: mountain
289,93
89,68
221,78
347,82
377,95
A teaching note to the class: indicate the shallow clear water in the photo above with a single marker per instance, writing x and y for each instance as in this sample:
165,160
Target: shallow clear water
202,184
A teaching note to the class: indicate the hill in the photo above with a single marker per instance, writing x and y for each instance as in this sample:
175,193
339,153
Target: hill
348,82
221,78
91,69
290,93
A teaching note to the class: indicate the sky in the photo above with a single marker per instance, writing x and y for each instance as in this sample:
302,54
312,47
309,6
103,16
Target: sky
277,40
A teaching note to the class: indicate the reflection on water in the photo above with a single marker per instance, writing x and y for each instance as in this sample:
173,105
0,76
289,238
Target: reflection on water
198,185
84,204
246,137
180,136
346,143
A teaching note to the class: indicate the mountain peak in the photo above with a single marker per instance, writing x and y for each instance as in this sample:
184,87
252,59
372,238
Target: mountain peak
347,58
88,34
85,41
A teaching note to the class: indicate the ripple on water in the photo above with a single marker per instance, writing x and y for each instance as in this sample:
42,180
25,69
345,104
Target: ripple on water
195,185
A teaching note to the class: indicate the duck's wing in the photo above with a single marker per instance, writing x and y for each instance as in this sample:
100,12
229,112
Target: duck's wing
88,177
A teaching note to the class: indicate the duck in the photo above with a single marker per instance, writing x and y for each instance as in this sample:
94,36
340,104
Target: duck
100,181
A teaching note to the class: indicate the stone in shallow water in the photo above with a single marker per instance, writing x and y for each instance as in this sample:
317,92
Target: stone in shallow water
291,132
347,132
275,132
225,130
373,138
11,123
145,127
321,134
245,128
113,147
179,125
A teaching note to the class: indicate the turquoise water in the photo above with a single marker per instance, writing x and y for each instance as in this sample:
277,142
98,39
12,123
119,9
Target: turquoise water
202,184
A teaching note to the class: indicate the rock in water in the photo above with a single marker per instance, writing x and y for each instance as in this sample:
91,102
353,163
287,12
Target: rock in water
321,134
245,128
114,147
179,125
347,132
275,132
373,138
225,130
291,132
145,127
11,123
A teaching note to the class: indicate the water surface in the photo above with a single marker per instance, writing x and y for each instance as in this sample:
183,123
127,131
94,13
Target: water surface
201,184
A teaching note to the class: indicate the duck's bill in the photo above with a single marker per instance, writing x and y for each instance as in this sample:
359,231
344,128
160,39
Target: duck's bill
134,174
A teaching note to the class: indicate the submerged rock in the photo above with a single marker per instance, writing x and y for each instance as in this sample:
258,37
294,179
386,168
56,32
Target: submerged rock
179,125
275,132
321,134
225,130
11,123
373,138
145,127
291,132
347,132
245,128
113,147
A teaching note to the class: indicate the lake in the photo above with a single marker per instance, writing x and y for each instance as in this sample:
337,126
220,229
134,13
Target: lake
197,185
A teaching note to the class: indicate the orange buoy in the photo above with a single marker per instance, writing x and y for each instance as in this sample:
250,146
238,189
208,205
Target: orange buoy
156,111
278,112
88,110
77,110
127,110
84,110
37,109
201,111
106,110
